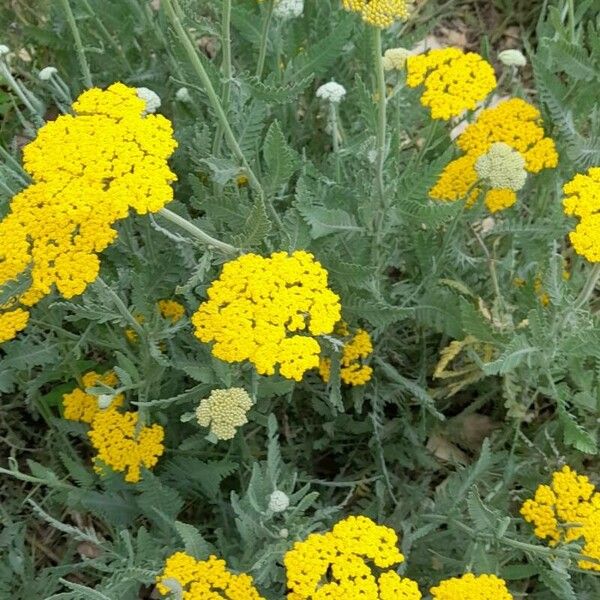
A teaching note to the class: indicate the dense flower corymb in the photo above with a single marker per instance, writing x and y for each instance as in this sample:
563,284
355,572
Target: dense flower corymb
224,411
513,123
204,579
78,405
121,446
11,322
335,565
88,170
379,13
567,510
454,81
267,311
472,587
582,199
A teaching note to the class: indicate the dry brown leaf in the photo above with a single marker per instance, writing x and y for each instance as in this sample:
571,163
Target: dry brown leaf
446,451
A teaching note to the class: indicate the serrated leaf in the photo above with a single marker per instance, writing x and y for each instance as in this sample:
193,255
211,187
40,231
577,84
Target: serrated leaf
195,544
575,435
574,60
482,518
280,159
256,227
514,354
280,94
558,584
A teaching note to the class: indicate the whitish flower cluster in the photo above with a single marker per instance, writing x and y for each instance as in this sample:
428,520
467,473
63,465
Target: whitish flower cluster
288,9
331,92
512,58
46,73
502,167
224,411
152,99
395,59
278,501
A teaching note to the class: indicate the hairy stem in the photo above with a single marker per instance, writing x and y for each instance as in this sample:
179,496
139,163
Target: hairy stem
197,232
125,313
225,68
588,288
83,63
381,115
264,36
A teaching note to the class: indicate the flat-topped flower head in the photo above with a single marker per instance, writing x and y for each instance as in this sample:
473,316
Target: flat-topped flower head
204,580
124,447
472,587
501,167
331,92
268,311
12,322
88,170
78,405
340,562
395,59
224,411
454,81
379,13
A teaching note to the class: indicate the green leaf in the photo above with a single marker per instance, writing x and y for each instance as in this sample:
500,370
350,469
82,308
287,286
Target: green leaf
574,60
514,354
558,583
280,159
280,94
575,435
195,544
481,516
256,227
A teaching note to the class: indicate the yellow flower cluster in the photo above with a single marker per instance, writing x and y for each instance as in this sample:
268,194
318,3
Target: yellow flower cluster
583,200
379,13
267,311
454,81
172,310
122,445
224,411
88,171
356,349
11,322
80,406
335,565
472,587
567,510
515,123
204,579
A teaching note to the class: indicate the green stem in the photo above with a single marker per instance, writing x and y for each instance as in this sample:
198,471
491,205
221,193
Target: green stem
123,309
333,122
571,4
83,64
588,288
382,116
197,232
264,36
225,68
16,87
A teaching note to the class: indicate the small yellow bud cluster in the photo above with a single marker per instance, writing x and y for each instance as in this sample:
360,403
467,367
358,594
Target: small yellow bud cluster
88,171
454,81
379,13
336,564
583,200
514,123
394,59
258,309
472,587
224,411
502,167
356,349
78,405
204,579
567,510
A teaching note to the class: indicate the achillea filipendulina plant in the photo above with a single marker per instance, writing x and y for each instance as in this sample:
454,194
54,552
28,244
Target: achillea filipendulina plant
224,411
454,81
379,13
11,322
472,587
582,199
204,580
339,563
513,123
88,170
269,311
565,511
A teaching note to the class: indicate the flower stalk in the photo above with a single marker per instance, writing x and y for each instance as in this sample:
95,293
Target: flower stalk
83,63
264,37
588,288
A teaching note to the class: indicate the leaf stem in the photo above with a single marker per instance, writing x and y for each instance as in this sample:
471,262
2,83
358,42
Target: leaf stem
197,232
381,115
123,309
264,36
588,288
225,68
83,63
571,4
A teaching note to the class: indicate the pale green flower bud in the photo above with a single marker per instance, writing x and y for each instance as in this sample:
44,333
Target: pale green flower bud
152,99
502,167
395,59
4,50
332,92
224,411
183,95
512,58
278,501
288,9
46,73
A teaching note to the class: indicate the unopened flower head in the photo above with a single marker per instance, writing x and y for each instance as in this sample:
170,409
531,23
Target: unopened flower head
395,59
224,411
172,310
454,81
331,92
151,98
288,9
269,310
47,72
278,501
4,50
183,95
512,58
379,13
469,586
502,167
348,562
582,200
203,579
123,446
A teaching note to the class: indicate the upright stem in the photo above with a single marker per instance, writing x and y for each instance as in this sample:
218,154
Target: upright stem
197,232
264,36
225,68
123,309
588,288
333,123
382,116
83,64
16,87
571,4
